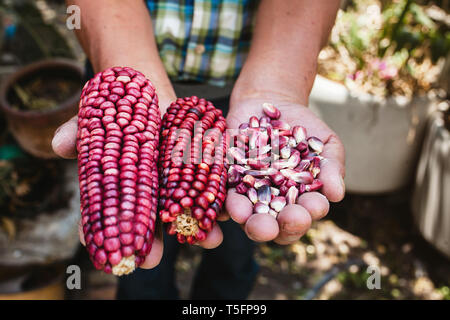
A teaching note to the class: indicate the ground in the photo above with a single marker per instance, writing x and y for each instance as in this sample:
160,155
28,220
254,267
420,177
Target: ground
359,231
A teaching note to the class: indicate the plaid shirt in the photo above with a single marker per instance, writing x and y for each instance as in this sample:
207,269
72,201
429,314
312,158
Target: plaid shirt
203,40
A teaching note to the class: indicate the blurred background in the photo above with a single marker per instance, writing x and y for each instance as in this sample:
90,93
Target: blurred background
383,85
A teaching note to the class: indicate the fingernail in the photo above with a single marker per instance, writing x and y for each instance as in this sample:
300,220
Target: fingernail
58,137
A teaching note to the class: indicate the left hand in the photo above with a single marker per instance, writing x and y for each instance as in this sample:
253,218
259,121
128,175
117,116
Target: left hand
294,220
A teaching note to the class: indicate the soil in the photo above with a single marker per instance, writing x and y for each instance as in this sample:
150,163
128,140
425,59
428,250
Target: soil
330,261
30,277
43,91
25,181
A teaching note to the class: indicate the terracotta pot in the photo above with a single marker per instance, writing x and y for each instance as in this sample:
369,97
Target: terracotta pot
34,130
382,139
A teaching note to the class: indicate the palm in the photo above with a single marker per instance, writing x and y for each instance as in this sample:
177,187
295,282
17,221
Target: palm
294,220
294,114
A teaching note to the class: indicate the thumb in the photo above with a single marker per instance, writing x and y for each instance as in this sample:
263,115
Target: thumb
64,140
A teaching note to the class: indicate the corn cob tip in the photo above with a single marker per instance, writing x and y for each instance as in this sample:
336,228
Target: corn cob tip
186,224
125,266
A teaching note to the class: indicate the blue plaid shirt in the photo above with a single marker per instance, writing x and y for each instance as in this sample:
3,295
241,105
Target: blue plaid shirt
203,40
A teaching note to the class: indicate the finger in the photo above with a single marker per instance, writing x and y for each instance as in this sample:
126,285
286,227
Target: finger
332,169
81,234
223,216
64,140
213,239
334,149
261,227
294,221
315,203
239,207
155,255
333,182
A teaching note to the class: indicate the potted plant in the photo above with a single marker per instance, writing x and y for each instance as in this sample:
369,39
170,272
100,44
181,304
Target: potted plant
39,96
375,87
37,99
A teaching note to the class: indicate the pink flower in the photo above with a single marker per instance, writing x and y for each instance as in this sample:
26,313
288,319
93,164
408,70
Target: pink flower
375,64
384,69
355,76
389,72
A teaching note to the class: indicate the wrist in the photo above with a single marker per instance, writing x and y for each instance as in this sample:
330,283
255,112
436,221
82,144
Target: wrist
270,88
242,92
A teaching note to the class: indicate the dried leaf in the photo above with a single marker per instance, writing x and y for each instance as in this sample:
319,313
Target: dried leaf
9,226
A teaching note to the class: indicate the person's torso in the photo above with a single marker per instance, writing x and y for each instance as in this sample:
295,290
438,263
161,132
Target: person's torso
203,40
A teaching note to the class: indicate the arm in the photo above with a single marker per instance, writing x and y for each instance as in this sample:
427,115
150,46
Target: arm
116,33
120,33
287,39
280,68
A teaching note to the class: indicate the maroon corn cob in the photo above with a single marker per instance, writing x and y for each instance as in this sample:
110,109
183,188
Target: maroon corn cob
193,171
117,144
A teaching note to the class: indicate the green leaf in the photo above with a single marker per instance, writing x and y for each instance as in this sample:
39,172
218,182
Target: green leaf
356,42
408,38
439,48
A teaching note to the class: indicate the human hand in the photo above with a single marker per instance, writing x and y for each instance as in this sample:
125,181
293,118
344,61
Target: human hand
294,220
64,144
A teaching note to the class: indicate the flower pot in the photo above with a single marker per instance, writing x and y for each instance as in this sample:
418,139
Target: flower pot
430,202
34,129
382,139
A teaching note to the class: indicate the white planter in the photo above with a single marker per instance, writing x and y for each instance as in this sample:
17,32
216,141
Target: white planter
380,153
430,202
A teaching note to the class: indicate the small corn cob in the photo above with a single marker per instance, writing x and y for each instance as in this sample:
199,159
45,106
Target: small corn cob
117,144
193,172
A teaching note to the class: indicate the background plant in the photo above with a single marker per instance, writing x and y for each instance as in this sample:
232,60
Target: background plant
387,47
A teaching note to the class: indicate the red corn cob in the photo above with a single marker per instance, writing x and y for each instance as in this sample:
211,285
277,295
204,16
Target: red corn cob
192,168
117,144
